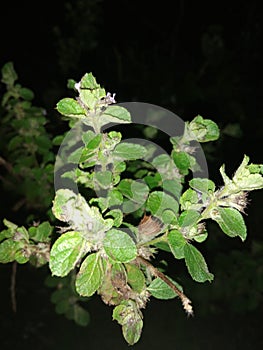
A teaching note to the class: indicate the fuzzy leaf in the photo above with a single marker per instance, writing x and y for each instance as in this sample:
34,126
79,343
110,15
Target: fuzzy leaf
41,233
71,108
130,318
9,75
135,277
202,130
129,151
90,275
230,221
9,249
160,290
66,252
159,201
196,264
119,246
176,243
188,218
202,185
116,114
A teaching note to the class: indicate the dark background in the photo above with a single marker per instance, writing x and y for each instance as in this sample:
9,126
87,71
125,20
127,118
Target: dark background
192,57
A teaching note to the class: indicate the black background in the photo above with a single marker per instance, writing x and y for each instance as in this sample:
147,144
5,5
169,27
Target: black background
148,52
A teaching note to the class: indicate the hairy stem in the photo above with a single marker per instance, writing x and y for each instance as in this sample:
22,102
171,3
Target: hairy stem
155,272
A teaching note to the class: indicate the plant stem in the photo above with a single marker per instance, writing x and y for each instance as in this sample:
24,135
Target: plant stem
155,272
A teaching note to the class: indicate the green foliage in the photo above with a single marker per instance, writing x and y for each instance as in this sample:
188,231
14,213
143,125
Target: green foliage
26,156
67,301
127,212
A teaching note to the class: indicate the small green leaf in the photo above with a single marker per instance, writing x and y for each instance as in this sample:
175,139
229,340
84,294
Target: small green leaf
202,130
202,185
135,278
9,249
119,246
160,290
66,252
173,186
135,191
177,243
26,94
90,275
88,81
79,315
189,199
230,221
41,233
188,218
103,178
196,264
9,75
182,161
116,114
10,225
129,317
159,201
117,215
71,108
129,151
114,197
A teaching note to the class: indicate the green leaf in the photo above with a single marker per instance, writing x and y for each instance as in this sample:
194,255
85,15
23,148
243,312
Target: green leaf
21,256
114,197
103,178
72,208
119,246
129,151
230,221
41,233
117,215
130,318
182,161
26,94
173,186
159,201
135,278
9,75
10,225
188,218
202,130
177,243
189,200
90,275
92,143
161,290
196,264
202,185
8,250
88,81
70,108
66,252
135,191
116,114
79,315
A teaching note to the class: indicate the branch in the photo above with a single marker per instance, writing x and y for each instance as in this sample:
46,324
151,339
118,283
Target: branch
155,272
13,286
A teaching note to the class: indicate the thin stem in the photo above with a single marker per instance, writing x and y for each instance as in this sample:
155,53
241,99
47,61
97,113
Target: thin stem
13,286
155,272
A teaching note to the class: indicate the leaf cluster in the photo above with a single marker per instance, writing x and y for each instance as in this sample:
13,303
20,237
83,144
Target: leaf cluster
128,210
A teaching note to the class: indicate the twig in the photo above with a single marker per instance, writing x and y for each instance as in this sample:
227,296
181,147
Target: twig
13,286
155,272
7,165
